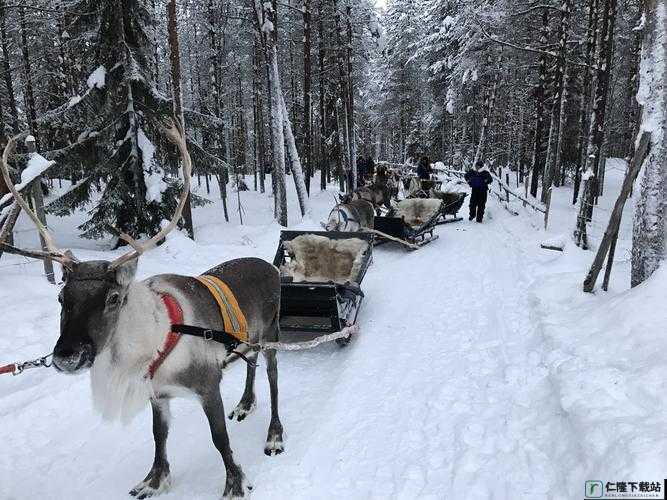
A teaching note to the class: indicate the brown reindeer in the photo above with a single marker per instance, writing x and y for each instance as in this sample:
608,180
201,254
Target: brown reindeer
115,325
379,193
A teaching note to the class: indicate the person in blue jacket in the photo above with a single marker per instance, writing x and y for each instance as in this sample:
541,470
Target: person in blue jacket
479,180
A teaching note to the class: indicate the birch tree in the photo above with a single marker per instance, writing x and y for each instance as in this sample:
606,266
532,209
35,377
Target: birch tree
649,229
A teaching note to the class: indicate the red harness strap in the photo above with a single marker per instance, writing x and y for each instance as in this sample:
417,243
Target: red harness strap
7,368
175,318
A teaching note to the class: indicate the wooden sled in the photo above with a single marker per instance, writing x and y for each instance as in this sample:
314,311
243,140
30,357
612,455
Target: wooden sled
316,299
412,221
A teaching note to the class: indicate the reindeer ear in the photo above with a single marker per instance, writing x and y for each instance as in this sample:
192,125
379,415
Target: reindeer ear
125,272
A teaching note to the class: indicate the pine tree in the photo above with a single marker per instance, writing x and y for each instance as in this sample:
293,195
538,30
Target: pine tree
117,121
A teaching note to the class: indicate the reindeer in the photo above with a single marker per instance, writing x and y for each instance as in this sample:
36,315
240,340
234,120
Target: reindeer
114,326
353,216
379,193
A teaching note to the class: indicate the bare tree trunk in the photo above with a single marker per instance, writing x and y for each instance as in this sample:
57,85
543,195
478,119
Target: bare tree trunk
537,164
324,158
585,99
632,85
650,220
307,95
489,103
552,167
351,137
277,131
266,23
295,162
339,150
343,117
27,71
596,130
560,167
259,114
177,94
214,74
6,67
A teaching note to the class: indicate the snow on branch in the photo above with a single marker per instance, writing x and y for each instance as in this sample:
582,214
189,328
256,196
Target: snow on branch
36,166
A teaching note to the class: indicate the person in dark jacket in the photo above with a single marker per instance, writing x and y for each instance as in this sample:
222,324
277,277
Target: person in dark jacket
479,180
370,168
424,169
361,171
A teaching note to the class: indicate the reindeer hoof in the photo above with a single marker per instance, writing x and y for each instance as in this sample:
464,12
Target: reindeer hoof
242,410
155,484
274,446
236,487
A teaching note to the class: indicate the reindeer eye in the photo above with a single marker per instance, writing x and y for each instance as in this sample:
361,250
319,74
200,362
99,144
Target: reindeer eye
113,299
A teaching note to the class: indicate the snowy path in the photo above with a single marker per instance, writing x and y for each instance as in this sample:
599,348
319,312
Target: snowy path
443,395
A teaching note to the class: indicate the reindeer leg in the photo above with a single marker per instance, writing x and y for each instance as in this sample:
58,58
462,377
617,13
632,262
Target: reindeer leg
235,484
274,440
248,402
158,479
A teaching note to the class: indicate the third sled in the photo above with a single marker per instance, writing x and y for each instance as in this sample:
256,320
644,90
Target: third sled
452,203
412,220
321,274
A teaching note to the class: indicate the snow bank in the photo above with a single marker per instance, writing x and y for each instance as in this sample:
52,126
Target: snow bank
607,361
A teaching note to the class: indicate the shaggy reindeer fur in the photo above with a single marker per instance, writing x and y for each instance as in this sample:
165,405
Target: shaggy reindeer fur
352,216
376,194
119,338
417,211
316,258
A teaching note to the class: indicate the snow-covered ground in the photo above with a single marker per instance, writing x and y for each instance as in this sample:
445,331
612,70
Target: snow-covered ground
482,371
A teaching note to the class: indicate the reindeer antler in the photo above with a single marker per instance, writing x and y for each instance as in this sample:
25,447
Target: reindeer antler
66,258
175,134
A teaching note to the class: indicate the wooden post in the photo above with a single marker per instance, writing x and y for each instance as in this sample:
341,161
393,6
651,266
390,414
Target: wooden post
610,262
7,227
617,212
38,207
547,207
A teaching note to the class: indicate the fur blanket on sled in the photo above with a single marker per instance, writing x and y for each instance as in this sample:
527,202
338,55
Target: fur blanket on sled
417,211
316,258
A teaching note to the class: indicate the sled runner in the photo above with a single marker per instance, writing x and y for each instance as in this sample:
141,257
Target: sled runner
321,273
413,220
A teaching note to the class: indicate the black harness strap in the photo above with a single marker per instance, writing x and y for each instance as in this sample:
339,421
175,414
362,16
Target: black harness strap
220,336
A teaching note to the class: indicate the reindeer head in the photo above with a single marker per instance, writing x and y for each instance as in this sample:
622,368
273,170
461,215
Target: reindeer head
95,292
91,301
345,198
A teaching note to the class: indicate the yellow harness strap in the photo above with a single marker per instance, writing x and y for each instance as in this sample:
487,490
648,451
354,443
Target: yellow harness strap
232,316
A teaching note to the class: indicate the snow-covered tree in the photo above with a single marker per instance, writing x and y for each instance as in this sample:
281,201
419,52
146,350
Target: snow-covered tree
116,119
650,223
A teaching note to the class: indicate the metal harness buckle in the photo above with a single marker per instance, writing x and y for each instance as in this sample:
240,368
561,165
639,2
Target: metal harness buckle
208,334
